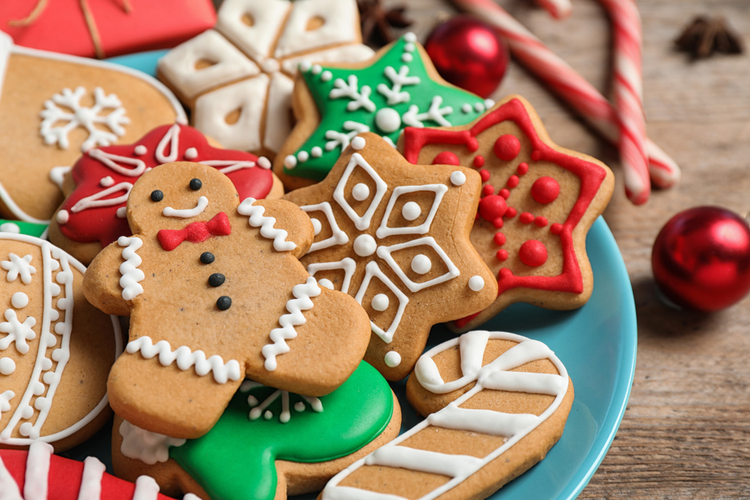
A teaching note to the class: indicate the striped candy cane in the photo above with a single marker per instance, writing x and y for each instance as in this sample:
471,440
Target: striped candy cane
559,9
568,84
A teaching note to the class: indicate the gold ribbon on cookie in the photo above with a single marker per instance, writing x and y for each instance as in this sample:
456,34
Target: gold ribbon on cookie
87,15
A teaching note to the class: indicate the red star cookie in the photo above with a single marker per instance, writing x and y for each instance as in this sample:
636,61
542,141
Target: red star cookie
396,237
538,202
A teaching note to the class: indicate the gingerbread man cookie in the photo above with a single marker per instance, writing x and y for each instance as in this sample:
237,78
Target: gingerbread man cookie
278,444
238,77
93,213
538,202
495,404
215,292
396,237
55,106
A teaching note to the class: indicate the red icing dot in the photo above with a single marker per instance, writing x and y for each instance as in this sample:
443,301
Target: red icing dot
533,253
472,145
501,254
507,147
499,239
504,193
541,221
478,161
510,213
446,158
488,190
498,223
485,174
545,190
556,228
527,218
492,208
512,181
522,168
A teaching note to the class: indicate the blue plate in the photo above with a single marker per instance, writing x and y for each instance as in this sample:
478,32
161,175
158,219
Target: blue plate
597,344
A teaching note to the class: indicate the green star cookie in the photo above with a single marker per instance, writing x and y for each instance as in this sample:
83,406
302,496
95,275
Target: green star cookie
398,88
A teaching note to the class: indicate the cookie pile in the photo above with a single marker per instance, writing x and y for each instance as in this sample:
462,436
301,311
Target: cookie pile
268,292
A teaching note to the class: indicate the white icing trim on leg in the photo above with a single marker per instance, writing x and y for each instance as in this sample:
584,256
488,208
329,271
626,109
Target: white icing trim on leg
301,302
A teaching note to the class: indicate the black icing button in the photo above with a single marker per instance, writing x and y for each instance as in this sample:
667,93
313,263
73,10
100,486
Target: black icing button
207,257
157,195
216,279
196,184
224,303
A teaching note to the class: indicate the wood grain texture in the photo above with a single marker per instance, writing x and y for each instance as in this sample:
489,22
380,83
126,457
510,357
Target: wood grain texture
686,432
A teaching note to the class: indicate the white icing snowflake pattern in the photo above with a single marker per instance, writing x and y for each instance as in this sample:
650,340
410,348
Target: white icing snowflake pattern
338,139
370,248
18,266
260,408
81,116
17,332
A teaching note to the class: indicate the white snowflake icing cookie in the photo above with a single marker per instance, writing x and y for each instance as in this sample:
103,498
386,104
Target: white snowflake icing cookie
55,348
495,404
53,107
238,77
215,291
395,236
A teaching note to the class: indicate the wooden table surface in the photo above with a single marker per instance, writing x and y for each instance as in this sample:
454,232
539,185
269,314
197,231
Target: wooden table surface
686,430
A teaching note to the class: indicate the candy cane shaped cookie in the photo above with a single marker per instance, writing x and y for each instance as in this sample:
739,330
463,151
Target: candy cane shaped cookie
500,402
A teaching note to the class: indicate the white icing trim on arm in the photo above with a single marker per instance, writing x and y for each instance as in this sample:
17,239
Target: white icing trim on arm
187,213
266,225
279,336
130,274
186,358
148,447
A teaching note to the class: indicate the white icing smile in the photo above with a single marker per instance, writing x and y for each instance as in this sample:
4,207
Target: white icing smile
187,212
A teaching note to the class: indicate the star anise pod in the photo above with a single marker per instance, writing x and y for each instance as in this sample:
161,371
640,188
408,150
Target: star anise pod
378,22
707,35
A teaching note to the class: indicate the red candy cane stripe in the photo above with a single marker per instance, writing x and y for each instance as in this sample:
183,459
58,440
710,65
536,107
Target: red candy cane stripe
559,9
626,21
568,84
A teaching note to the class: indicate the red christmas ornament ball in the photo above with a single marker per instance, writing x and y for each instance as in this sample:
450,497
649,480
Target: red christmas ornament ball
469,53
701,259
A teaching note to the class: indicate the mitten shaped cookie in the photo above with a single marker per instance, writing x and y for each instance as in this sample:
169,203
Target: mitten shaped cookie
215,292
538,202
495,404
53,107
396,237
96,189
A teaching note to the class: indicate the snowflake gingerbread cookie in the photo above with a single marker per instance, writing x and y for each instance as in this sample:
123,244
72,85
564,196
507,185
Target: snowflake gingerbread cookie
238,78
279,444
93,213
55,348
398,87
53,107
538,202
396,237
215,291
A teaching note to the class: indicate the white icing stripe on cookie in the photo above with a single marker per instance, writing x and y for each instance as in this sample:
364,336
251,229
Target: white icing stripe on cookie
130,274
8,486
266,225
91,481
513,426
185,358
37,471
279,336
146,488
187,213
14,208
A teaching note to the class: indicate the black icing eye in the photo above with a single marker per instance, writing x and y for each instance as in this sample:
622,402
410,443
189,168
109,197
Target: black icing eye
224,303
157,195
207,257
196,184
216,279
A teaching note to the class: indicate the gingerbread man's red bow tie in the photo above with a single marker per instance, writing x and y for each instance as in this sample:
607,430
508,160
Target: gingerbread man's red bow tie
195,232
